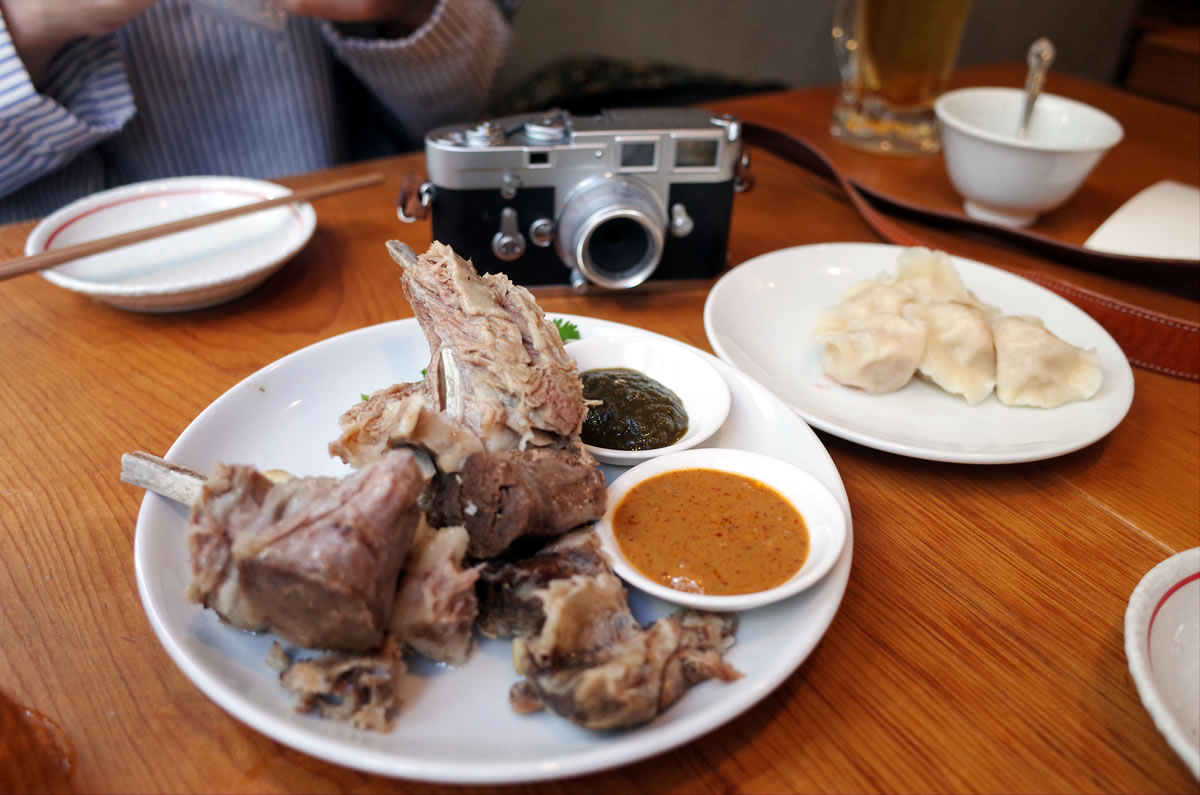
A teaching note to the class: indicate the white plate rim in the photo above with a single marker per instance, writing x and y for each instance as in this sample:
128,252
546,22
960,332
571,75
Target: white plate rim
628,747
1116,393
53,223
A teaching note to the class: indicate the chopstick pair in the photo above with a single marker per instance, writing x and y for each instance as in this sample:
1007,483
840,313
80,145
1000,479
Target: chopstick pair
53,257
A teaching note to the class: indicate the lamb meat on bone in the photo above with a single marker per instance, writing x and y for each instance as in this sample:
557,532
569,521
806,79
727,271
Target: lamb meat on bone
593,664
403,416
500,497
496,363
315,560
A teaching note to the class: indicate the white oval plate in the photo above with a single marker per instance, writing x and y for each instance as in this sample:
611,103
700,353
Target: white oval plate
456,725
759,317
1162,644
823,516
678,367
187,270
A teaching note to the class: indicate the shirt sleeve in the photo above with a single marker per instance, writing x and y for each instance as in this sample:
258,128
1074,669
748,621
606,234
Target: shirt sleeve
442,73
85,98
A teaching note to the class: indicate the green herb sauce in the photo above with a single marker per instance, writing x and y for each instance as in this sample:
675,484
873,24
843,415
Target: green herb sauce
637,412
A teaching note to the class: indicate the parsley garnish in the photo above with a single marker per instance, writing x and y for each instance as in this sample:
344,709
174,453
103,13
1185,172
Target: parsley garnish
566,329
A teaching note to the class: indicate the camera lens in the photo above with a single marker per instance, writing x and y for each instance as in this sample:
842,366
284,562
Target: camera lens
611,230
614,244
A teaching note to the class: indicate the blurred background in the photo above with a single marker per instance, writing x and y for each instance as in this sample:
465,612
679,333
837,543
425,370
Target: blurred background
590,54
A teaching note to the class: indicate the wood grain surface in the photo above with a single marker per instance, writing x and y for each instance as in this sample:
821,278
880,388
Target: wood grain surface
979,646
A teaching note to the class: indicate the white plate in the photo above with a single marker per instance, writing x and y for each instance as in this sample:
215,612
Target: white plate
187,270
759,317
681,368
1162,643
820,508
456,725
1160,221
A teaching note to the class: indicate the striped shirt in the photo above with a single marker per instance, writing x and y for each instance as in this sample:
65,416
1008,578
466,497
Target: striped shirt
183,90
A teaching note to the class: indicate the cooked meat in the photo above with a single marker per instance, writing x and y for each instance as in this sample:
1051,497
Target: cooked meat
509,603
315,560
594,665
500,497
361,689
496,364
402,416
436,604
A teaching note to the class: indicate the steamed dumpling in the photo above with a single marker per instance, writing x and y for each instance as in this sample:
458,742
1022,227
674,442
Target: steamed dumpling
861,300
877,353
959,354
931,278
1036,368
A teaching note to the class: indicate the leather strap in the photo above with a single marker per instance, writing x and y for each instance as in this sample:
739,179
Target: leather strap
1149,339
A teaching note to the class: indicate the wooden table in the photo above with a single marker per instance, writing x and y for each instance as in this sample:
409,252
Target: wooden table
979,646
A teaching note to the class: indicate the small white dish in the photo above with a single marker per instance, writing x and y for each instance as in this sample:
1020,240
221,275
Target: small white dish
702,390
759,317
1010,180
1159,221
1162,643
187,270
823,515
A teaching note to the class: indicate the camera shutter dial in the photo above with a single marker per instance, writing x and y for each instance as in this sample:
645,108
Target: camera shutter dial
508,244
611,231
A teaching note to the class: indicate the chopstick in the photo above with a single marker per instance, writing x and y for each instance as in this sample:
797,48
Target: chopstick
48,259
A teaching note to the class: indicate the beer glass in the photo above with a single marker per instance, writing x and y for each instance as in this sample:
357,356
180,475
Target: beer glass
895,57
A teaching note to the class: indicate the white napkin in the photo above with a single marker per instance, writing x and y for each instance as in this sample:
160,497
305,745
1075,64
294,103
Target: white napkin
1161,221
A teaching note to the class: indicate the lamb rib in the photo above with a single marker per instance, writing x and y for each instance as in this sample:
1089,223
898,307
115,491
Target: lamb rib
496,363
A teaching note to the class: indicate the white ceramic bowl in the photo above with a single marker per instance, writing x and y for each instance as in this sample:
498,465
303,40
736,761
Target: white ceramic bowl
187,270
687,373
1162,642
821,510
1010,180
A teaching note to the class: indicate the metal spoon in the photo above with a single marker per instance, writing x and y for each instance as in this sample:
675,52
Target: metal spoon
1041,55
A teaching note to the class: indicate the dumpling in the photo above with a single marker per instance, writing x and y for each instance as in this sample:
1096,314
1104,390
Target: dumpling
877,353
959,354
931,278
1036,368
861,300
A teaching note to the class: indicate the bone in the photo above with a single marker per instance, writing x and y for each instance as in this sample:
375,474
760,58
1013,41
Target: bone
160,476
402,253
173,481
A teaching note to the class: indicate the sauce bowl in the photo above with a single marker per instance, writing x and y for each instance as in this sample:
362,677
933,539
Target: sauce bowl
823,515
701,389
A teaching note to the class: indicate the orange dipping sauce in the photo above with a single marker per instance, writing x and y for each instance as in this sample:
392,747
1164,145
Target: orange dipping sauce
711,532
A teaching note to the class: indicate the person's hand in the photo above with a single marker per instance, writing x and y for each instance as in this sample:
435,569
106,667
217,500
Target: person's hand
397,17
39,28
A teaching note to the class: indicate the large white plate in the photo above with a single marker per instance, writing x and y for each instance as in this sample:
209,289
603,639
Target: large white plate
456,725
187,270
759,317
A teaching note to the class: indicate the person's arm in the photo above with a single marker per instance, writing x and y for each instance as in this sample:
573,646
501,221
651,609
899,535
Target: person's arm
81,95
435,66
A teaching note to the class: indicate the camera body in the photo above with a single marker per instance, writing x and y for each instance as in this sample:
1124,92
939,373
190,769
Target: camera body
614,200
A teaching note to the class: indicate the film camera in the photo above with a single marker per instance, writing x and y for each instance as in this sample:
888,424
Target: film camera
612,199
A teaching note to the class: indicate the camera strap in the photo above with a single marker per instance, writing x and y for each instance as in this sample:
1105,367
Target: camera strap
1149,339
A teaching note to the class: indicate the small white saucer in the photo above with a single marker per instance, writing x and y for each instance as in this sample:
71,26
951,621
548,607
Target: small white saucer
823,516
1162,642
187,270
678,367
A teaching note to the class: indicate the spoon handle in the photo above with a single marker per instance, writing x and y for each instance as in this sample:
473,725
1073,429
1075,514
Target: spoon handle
1041,55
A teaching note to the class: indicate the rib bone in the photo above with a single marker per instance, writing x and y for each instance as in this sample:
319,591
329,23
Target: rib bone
172,481
160,476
